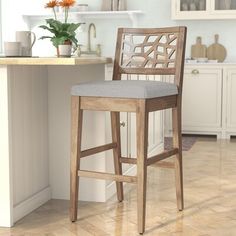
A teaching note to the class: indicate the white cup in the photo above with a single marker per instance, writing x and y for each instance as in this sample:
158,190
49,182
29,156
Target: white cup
12,49
27,39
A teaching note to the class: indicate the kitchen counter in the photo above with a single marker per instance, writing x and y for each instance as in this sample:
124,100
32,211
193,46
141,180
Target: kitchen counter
35,132
54,60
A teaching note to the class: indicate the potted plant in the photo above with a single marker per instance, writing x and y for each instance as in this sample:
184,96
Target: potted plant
63,33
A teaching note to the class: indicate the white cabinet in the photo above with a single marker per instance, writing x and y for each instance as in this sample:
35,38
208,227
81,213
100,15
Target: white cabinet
209,100
202,98
231,102
184,9
203,9
35,136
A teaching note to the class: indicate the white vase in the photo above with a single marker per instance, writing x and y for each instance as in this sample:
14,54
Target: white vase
65,50
202,5
122,5
115,5
227,4
106,5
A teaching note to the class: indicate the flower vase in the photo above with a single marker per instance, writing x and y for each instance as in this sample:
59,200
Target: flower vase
227,4
122,5
107,5
64,50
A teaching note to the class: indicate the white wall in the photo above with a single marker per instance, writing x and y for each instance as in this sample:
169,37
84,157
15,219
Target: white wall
11,18
157,13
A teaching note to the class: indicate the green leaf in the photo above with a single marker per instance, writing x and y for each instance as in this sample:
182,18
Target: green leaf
55,24
47,28
73,27
65,26
75,41
58,41
61,31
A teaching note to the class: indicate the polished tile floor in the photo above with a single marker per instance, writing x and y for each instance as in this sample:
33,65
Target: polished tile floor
210,202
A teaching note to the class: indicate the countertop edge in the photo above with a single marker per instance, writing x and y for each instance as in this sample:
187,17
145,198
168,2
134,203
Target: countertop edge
54,60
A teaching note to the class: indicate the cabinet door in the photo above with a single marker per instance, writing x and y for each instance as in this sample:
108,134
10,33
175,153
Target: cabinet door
231,100
202,99
188,9
224,9
226,5
203,9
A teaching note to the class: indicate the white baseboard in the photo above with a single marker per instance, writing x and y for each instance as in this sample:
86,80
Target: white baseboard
111,188
30,204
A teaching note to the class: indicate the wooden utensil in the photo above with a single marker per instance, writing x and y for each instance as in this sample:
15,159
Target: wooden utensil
216,51
198,50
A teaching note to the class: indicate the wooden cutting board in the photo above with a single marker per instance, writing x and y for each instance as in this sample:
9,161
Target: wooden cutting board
198,50
216,51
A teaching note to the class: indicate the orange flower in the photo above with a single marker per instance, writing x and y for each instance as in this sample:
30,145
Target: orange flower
67,3
51,4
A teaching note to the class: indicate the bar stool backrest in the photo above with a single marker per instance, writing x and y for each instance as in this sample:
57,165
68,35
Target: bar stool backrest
151,51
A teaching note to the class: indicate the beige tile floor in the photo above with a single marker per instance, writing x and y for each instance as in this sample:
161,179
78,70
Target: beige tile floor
210,202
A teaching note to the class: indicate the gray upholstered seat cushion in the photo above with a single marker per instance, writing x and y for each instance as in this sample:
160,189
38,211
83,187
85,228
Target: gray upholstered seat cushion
125,89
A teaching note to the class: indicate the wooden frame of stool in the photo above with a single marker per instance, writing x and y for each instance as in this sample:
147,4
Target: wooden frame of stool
141,107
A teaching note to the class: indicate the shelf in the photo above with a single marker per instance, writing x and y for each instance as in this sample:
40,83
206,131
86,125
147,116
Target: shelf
81,16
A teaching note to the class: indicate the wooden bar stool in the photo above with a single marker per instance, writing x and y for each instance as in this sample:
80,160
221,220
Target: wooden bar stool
138,51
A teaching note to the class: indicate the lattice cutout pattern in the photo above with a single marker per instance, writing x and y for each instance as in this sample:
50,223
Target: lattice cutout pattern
149,51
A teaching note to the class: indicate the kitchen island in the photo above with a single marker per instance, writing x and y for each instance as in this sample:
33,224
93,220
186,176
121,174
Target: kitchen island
35,131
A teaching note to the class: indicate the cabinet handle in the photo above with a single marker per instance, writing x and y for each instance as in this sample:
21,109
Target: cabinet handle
122,124
195,72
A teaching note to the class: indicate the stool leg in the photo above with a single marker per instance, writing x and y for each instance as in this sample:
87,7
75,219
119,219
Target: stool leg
115,128
177,143
142,143
76,131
